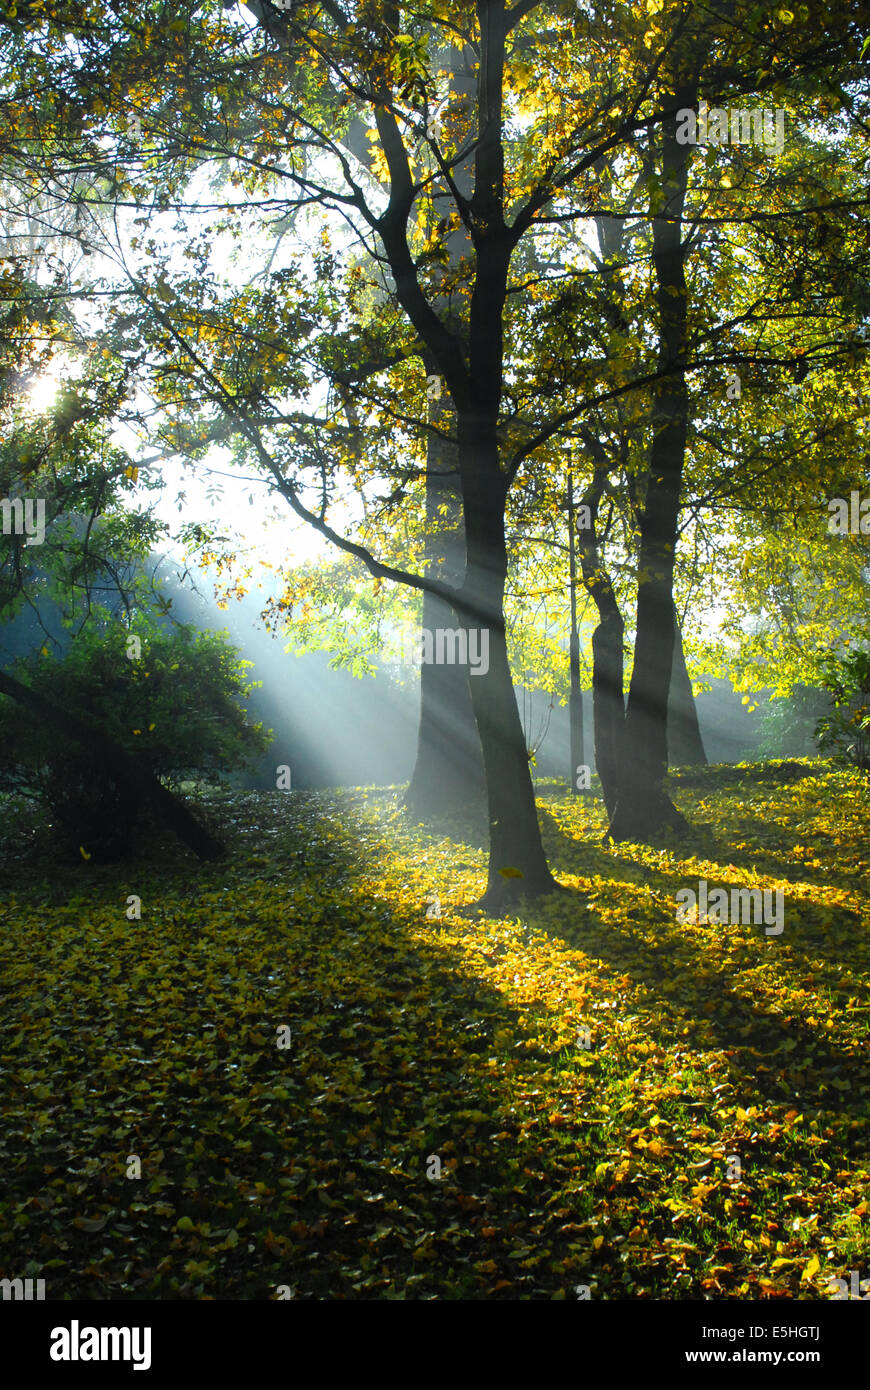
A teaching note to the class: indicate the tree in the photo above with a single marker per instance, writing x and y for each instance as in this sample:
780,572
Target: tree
67,536
176,712
584,89
845,731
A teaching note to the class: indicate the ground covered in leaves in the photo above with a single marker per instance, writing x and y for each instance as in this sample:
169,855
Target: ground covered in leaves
455,1041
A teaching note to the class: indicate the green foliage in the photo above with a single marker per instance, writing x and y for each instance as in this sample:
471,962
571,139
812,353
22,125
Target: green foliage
786,726
845,732
179,709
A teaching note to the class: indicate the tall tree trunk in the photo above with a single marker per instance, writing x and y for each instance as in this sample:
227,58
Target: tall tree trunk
169,809
473,366
608,699
643,806
685,745
517,863
448,773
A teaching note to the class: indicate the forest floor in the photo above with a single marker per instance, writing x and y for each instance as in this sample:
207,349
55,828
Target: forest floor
710,1141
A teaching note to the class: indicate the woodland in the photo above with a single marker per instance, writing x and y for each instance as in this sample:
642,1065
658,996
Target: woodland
533,341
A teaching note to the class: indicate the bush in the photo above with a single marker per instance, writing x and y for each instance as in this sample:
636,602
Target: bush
845,733
179,709
786,726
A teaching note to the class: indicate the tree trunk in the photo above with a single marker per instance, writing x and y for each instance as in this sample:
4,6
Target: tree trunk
608,699
517,863
448,773
643,807
168,808
473,366
685,745
448,776
608,670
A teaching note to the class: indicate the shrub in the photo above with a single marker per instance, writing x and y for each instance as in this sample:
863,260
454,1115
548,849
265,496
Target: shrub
845,732
179,709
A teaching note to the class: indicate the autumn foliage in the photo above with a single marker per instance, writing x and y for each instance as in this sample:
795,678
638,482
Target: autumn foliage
451,1036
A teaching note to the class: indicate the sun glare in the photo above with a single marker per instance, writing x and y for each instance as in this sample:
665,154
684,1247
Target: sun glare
42,391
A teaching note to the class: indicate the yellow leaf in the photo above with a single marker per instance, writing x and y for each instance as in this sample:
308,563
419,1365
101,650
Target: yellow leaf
511,873
84,1223
812,1268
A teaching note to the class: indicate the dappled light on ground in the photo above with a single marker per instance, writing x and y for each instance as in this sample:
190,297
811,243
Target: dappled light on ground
582,1073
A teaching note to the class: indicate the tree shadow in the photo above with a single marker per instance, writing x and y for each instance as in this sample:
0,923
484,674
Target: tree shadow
824,931
771,1055
318,1157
